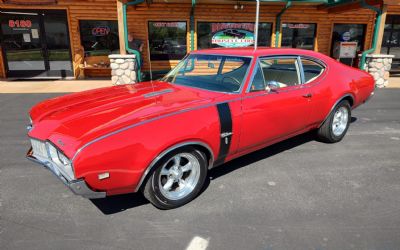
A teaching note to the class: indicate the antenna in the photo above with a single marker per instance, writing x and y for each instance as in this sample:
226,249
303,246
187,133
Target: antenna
256,26
148,56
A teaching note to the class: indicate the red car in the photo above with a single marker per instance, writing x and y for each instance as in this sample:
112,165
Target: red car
162,137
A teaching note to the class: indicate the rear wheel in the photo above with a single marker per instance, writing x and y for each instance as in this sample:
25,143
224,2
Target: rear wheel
336,125
177,179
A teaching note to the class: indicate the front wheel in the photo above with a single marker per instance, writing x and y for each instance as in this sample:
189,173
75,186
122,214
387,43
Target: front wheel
177,179
336,125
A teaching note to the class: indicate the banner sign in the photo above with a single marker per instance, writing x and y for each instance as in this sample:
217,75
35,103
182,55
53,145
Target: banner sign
231,38
222,26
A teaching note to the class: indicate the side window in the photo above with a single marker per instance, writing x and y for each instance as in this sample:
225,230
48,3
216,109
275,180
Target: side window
258,83
311,70
281,72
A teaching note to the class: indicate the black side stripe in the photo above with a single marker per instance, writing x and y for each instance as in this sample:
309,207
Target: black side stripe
225,118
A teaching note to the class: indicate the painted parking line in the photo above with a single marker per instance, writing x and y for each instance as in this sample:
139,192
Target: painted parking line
198,243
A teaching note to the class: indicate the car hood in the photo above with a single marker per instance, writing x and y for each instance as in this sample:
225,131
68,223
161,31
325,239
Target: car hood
72,120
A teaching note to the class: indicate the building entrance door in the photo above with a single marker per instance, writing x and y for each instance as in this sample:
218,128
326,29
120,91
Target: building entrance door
35,43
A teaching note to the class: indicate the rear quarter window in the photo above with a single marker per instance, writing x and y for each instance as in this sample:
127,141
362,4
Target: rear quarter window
312,70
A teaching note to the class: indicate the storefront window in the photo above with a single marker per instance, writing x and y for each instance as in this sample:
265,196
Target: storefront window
167,40
391,40
99,38
214,35
348,33
347,42
298,35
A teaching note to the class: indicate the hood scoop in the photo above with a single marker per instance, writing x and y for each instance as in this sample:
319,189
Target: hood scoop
157,93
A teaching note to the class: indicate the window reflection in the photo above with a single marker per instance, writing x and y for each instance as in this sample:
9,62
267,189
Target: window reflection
298,35
167,40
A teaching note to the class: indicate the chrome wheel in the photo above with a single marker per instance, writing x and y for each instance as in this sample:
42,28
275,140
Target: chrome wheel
179,176
340,120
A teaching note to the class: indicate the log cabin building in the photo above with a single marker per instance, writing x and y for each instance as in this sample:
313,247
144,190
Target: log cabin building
73,38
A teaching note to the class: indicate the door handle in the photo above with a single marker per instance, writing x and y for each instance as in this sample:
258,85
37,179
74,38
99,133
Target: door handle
308,95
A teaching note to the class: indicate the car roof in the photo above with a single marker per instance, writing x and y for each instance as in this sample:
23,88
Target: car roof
260,51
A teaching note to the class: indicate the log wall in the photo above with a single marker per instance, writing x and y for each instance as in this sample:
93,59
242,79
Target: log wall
393,10
138,17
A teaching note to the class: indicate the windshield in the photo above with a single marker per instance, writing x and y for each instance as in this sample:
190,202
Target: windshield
210,72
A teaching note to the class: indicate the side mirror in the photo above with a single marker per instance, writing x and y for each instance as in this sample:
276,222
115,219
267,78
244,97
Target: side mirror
272,86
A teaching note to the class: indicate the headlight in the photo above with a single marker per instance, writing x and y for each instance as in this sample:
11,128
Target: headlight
63,159
63,163
53,154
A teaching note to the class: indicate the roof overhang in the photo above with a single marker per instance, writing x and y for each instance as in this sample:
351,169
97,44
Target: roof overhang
346,5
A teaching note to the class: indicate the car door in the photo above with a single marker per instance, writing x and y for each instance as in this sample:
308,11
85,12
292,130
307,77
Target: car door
314,72
275,105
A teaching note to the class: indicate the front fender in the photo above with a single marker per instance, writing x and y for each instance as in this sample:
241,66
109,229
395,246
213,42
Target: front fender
127,154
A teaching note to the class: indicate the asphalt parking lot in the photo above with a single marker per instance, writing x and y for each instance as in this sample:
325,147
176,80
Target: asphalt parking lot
298,194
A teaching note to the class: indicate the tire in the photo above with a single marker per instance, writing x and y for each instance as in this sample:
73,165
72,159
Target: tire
177,178
336,125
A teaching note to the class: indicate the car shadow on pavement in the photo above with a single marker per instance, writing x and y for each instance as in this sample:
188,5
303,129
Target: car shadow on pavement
261,154
119,203
265,153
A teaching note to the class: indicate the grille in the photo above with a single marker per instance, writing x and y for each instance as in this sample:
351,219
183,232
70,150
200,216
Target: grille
39,148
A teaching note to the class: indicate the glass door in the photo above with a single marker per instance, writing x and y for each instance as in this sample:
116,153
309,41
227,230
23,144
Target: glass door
57,46
35,44
22,44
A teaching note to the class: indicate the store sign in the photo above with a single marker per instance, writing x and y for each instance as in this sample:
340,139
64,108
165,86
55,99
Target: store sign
223,26
19,24
101,31
167,24
232,38
298,26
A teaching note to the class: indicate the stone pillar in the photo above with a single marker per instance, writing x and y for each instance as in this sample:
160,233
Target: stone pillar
378,66
123,69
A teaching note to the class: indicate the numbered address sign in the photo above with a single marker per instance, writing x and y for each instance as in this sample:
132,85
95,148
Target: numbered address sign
19,24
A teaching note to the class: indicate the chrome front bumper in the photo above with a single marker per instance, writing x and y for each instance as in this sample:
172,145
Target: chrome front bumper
78,187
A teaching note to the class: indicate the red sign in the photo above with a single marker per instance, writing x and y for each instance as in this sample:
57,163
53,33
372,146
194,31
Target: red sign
223,26
101,31
19,23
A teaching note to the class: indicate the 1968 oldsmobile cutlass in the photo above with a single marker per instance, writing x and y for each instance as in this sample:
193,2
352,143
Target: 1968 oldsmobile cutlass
161,137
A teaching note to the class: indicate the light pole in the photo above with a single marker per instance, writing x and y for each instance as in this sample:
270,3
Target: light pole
256,26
